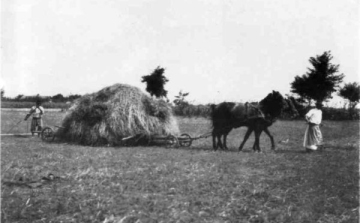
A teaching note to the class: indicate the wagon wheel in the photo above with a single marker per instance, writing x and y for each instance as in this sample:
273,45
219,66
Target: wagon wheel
47,134
172,141
185,140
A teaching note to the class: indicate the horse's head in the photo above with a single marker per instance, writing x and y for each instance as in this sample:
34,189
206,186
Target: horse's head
273,104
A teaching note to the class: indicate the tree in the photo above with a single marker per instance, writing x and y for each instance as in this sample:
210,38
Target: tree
74,96
58,98
2,93
19,97
180,99
319,82
351,92
155,83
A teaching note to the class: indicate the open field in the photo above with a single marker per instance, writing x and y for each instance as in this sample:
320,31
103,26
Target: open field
157,184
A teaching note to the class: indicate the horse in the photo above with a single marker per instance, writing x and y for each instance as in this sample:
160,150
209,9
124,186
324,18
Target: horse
256,116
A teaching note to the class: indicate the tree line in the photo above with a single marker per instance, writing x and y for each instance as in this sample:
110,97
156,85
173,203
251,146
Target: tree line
58,98
318,84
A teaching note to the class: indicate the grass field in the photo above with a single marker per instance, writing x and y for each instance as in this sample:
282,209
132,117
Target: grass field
157,184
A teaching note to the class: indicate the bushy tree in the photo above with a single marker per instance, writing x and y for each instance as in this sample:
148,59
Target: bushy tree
351,92
19,97
2,93
58,98
74,96
155,83
180,99
320,81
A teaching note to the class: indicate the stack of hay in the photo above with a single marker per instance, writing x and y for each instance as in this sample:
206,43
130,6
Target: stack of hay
114,113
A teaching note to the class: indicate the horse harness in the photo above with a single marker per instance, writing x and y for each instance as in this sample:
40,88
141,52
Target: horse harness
259,113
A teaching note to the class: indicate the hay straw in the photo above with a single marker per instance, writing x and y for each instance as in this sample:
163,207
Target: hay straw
116,112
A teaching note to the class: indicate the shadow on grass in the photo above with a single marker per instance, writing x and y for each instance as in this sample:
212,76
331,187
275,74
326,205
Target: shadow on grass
16,136
23,136
292,151
327,149
210,149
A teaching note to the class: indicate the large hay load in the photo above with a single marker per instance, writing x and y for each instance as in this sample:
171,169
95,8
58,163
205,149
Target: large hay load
114,113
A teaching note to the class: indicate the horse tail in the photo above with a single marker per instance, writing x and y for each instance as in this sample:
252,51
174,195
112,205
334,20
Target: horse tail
246,108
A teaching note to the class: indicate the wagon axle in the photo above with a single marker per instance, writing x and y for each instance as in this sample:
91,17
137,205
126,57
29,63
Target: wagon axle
184,140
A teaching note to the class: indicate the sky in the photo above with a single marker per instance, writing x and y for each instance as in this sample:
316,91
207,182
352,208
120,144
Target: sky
234,50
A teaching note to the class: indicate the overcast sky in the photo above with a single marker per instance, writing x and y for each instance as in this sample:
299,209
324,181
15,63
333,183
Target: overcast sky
234,50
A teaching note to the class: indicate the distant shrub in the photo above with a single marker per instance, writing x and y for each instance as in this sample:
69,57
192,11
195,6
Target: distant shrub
190,110
340,114
330,113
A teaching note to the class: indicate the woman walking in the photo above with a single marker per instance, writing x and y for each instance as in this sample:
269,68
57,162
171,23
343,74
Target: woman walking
313,136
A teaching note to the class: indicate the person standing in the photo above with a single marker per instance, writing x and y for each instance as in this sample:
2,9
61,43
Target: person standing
313,136
36,123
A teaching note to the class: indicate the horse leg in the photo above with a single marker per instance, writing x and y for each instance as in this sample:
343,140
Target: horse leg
266,130
257,139
247,134
224,141
214,140
225,138
219,141
217,144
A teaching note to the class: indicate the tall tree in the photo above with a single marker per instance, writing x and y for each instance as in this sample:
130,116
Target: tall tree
155,83
320,81
351,92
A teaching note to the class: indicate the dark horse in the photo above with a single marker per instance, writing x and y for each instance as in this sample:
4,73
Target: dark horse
257,117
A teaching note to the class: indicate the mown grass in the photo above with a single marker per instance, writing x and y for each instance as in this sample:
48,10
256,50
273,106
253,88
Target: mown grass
156,184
